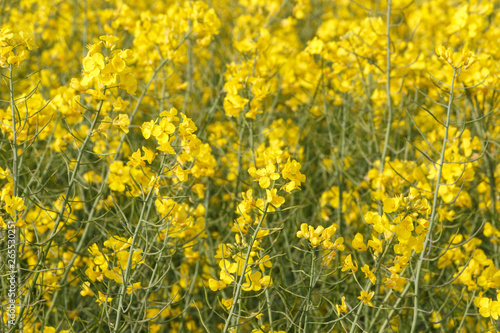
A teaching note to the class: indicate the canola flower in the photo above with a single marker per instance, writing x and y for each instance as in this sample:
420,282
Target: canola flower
249,166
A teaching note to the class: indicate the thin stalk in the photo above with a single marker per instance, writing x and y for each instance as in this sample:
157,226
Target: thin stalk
389,315
269,313
240,281
37,268
465,312
369,283
14,134
87,229
434,205
387,132
340,168
387,89
268,300
240,160
15,175
311,285
126,276
151,282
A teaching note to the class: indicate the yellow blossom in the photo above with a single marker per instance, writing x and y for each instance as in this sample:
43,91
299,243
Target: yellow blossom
13,203
358,244
369,273
342,308
366,297
349,265
122,121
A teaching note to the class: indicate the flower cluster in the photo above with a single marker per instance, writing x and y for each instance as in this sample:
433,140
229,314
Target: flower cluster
249,166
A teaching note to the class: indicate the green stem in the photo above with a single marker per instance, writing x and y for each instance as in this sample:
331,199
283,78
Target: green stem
465,312
387,90
242,276
37,269
126,276
311,285
88,226
387,133
369,283
15,176
434,206
14,133
389,315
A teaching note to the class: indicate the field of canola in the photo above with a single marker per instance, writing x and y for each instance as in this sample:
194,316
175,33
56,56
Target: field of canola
249,166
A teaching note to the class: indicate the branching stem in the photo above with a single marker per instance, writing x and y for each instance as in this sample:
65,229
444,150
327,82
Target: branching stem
434,206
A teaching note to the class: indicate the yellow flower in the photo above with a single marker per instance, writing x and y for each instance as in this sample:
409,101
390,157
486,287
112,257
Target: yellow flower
113,274
315,46
445,53
149,155
215,285
252,281
266,281
137,258
163,130
109,41
181,174
339,244
92,65
488,307
291,171
435,317
147,129
100,259
94,274
457,60
128,82
103,298
342,308
170,115
366,297
13,203
376,244
122,121
358,244
308,232
118,243
4,173
391,205
264,262
233,104
395,282
186,128
49,329
120,105
136,159
86,290
104,125
134,286
349,265
264,175
227,303
369,273
274,199
199,189
404,227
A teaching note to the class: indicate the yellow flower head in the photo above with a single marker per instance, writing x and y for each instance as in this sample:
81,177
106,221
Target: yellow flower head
366,297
